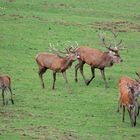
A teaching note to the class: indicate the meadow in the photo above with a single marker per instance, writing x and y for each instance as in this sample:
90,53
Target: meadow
72,111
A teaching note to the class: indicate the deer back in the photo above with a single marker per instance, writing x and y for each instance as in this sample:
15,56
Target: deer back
90,55
49,60
124,90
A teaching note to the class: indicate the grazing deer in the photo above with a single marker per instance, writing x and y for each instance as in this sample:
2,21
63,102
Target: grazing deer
123,88
129,92
55,62
96,58
5,86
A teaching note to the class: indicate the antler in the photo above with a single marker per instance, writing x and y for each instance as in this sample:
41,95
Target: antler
53,49
70,47
102,37
116,46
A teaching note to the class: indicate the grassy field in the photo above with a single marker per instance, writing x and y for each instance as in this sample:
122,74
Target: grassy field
74,111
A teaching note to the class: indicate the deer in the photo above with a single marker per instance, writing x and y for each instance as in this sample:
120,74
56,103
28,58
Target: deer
98,59
128,98
5,86
58,62
123,88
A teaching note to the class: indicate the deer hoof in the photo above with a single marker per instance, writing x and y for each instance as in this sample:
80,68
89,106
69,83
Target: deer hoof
87,82
134,124
12,101
76,80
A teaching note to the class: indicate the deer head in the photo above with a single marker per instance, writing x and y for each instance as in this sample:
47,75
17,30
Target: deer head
113,47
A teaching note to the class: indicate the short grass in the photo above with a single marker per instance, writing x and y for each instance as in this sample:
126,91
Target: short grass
74,111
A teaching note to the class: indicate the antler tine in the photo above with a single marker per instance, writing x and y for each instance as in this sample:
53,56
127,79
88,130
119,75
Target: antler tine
103,39
113,46
70,47
55,50
120,45
117,45
50,47
74,45
114,34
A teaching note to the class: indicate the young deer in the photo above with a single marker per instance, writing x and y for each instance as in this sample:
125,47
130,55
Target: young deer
5,86
129,92
123,87
56,63
96,58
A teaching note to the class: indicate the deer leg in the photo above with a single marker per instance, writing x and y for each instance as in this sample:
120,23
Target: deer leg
82,73
76,70
65,77
93,76
11,95
54,79
130,115
3,96
135,116
80,64
123,113
118,105
138,109
40,73
103,76
6,91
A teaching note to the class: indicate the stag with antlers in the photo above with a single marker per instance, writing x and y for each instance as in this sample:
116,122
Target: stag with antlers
58,61
97,58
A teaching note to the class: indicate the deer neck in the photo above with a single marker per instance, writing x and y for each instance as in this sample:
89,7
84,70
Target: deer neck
67,62
107,60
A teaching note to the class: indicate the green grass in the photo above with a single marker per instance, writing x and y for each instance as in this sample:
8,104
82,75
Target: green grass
74,111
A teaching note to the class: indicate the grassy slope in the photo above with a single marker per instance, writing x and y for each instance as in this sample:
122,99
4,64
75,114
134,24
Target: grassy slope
89,112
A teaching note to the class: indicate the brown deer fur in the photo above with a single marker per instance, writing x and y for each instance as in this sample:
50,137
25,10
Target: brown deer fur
129,91
5,85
